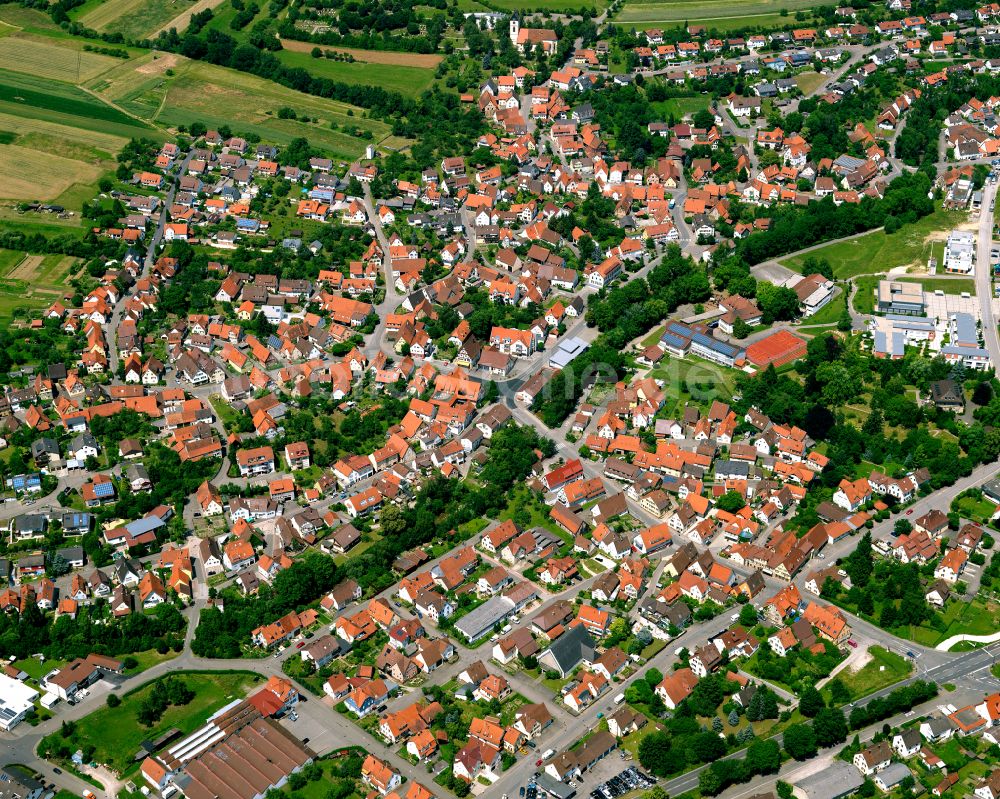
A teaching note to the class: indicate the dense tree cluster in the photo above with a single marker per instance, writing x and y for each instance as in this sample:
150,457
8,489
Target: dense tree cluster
93,630
917,142
223,635
625,312
900,700
889,593
166,692
799,669
560,396
368,24
794,227
835,373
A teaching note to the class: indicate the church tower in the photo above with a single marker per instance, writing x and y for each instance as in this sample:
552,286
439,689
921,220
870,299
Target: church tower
515,26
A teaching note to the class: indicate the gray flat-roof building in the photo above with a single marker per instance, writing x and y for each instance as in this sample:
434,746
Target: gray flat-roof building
566,351
839,779
485,619
900,297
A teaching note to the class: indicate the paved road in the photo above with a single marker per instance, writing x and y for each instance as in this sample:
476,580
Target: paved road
984,288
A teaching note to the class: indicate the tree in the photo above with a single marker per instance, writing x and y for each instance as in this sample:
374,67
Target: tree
748,615
811,702
800,741
710,782
839,694
731,502
763,757
741,329
56,565
982,393
763,705
830,727
703,118
654,752
777,303
844,322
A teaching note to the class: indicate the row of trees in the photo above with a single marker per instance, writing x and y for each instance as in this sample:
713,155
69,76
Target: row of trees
795,227
93,630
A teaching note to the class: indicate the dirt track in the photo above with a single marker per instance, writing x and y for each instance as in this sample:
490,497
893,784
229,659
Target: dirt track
180,22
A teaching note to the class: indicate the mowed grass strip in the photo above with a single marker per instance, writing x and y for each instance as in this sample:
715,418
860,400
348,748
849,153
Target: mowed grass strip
409,81
423,60
46,59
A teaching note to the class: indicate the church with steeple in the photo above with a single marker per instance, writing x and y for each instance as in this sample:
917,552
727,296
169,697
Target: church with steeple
522,37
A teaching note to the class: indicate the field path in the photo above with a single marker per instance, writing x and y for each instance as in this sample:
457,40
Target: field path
180,22
117,107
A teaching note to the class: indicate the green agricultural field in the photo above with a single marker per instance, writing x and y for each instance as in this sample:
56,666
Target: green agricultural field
51,58
116,733
38,98
409,81
197,91
85,9
555,6
134,19
878,251
28,19
33,282
712,13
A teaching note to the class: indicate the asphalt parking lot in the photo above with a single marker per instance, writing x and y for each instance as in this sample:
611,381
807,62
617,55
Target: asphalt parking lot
312,726
625,781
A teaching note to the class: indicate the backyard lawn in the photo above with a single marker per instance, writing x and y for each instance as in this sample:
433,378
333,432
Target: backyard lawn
829,314
978,509
691,379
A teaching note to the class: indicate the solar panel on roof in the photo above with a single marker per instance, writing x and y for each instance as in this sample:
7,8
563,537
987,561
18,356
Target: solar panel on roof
103,490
